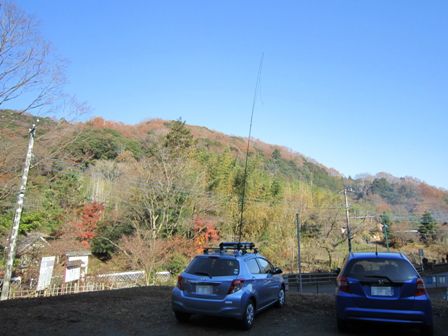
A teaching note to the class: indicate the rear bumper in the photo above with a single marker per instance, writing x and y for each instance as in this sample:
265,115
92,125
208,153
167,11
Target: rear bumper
230,306
386,315
419,314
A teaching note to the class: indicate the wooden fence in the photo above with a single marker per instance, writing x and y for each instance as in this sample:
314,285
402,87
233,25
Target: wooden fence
65,289
90,284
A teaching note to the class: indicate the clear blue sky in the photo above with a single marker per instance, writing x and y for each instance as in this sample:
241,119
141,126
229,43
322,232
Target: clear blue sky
360,86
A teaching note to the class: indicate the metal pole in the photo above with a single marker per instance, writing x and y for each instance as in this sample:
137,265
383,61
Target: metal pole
386,236
421,254
347,214
257,86
15,227
299,258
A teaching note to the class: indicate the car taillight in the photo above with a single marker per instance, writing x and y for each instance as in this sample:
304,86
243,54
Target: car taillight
421,290
343,285
180,284
235,286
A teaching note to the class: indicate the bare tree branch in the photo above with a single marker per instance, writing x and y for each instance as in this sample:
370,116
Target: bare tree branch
29,74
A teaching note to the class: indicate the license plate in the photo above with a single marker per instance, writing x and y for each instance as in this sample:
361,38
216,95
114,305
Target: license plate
204,289
382,291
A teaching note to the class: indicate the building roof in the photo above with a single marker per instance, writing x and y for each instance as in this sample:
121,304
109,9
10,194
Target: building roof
78,253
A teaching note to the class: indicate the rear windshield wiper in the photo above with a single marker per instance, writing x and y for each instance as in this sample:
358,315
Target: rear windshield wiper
379,277
203,273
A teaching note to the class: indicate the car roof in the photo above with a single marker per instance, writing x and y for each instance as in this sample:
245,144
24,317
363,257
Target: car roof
229,254
379,255
231,249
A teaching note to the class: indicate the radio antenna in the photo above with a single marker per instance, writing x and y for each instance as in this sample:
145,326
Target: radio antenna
243,197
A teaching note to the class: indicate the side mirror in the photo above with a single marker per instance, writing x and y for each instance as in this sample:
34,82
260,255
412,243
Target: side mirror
337,271
276,270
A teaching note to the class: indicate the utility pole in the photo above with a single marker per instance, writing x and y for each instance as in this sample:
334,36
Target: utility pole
299,258
386,236
347,215
15,227
385,220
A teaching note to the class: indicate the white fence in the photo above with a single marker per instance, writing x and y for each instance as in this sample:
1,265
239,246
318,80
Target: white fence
89,284
65,289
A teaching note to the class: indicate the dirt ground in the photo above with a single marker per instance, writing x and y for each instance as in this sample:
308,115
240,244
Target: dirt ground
147,311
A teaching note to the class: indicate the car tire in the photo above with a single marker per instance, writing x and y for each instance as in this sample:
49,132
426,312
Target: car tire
281,298
342,325
427,331
248,318
182,317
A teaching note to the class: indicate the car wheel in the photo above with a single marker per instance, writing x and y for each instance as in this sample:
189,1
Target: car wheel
249,316
427,330
182,317
281,298
342,325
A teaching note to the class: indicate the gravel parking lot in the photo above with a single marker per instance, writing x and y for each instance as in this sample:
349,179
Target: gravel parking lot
147,311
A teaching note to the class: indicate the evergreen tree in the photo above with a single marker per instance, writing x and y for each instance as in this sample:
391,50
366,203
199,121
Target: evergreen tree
427,228
386,223
179,137
276,154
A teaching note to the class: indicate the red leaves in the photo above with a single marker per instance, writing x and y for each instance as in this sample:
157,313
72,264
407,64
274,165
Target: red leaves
205,233
90,216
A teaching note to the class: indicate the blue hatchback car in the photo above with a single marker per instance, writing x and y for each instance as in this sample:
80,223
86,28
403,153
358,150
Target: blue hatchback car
383,288
231,281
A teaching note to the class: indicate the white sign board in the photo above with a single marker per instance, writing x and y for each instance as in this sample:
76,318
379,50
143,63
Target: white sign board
84,261
46,272
72,274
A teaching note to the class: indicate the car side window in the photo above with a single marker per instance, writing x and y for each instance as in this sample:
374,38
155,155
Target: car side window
265,266
253,266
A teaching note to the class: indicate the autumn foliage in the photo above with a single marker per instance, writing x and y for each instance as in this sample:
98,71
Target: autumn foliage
172,190
90,216
205,234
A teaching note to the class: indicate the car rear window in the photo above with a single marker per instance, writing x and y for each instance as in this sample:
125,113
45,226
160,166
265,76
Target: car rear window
396,270
213,266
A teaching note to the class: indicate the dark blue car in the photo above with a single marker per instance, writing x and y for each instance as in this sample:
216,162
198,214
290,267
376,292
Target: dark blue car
231,281
382,288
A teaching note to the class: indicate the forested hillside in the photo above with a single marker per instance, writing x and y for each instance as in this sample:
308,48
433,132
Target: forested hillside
149,196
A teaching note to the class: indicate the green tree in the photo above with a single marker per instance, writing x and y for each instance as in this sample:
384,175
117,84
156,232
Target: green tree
276,154
41,220
102,144
427,228
179,138
276,188
386,223
385,189
107,236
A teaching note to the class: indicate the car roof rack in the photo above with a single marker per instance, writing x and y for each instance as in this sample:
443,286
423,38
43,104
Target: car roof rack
237,247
